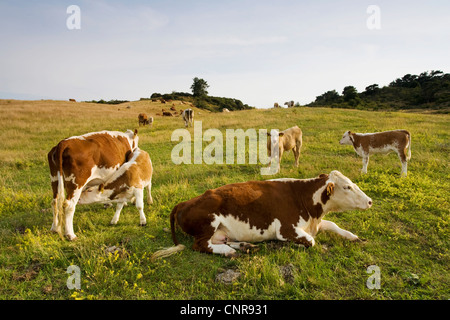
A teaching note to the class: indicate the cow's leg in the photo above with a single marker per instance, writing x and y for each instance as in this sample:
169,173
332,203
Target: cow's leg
221,237
69,211
365,161
294,234
55,216
205,244
402,157
296,151
149,194
139,194
116,217
331,226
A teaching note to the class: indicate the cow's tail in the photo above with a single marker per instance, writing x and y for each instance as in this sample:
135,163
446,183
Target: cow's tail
178,247
408,157
59,217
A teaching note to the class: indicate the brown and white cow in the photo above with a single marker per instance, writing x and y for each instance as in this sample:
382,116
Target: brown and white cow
126,183
80,161
188,116
144,119
224,219
289,139
366,144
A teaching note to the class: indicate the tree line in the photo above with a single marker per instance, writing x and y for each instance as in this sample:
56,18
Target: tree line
428,90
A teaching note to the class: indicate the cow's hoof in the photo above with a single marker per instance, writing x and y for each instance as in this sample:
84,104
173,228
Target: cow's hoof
143,224
71,237
248,248
232,254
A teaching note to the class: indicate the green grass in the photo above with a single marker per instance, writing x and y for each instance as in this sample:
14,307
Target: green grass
407,229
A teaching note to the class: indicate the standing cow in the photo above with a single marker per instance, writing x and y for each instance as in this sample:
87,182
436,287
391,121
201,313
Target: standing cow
144,119
188,116
127,182
289,139
80,161
227,218
366,144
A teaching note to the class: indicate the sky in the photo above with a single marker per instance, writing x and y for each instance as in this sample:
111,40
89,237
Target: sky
259,52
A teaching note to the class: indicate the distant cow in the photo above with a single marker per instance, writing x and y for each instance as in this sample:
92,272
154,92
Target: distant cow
289,104
227,218
366,144
72,100
127,182
81,161
173,108
144,119
289,139
225,110
167,114
162,100
276,105
188,117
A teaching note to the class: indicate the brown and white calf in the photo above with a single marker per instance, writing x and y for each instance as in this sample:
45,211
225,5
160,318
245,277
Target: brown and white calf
80,161
224,219
188,116
366,144
126,183
289,139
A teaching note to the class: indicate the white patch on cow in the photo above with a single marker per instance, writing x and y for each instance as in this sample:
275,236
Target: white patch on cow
238,230
284,179
53,178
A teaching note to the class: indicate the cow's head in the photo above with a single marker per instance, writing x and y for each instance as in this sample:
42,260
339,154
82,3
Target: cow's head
347,138
344,194
133,138
94,194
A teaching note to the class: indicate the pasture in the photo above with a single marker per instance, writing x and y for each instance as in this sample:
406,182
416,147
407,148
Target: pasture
407,228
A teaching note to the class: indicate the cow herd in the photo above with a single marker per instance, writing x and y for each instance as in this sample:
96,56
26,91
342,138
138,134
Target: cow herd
108,166
187,115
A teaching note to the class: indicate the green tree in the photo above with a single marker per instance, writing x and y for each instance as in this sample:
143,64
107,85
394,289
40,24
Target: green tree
199,88
349,93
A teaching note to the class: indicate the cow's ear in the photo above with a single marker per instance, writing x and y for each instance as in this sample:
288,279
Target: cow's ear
135,132
281,134
330,188
101,188
350,135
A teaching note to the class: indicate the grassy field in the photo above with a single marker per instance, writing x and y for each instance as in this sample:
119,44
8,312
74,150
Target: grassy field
407,229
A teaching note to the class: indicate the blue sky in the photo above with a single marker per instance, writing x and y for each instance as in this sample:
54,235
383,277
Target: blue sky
260,52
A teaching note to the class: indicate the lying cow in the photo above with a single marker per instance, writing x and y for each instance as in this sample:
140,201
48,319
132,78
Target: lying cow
289,139
366,144
224,219
80,161
126,183
188,116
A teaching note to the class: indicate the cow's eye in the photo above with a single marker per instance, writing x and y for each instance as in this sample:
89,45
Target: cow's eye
347,187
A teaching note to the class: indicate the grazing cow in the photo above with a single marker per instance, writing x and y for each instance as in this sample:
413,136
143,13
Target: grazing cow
276,105
127,182
143,118
162,100
289,139
167,114
289,104
81,161
72,100
188,117
366,144
227,218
